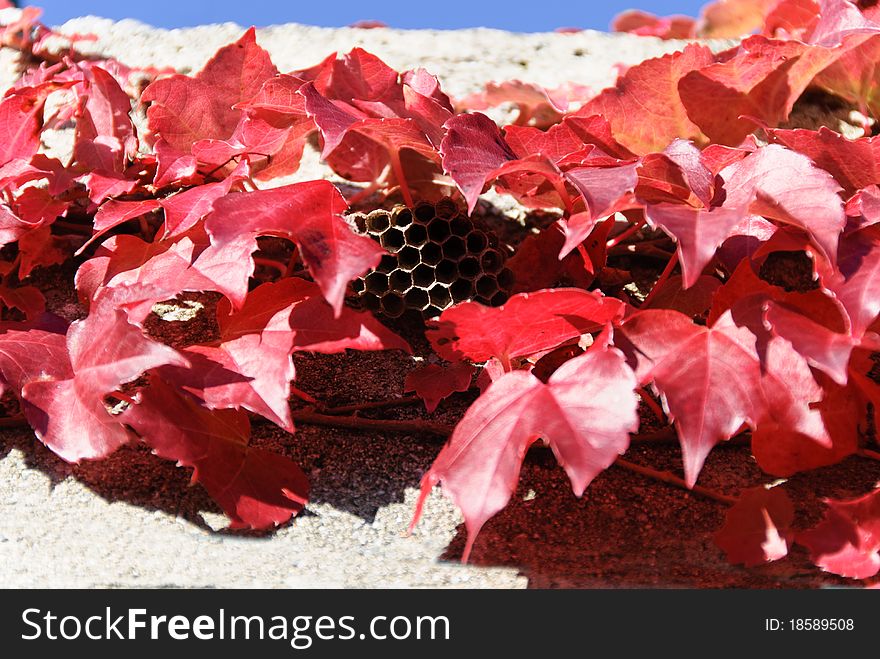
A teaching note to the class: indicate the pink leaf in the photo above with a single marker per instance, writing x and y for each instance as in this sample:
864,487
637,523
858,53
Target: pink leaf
254,487
757,528
585,412
433,382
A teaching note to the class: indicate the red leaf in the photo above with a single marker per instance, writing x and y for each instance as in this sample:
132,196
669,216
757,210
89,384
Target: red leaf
536,106
646,24
432,383
25,355
859,291
527,324
473,149
773,182
21,120
854,163
585,412
644,108
694,302
566,138
536,263
40,248
172,166
66,405
757,528
762,78
114,213
184,110
707,377
824,348
309,214
104,132
254,487
163,269
185,209
847,541
698,232
733,18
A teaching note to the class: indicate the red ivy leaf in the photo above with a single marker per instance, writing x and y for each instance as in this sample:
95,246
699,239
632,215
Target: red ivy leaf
66,405
184,110
847,541
309,214
527,324
644,108
432,383
707,377
585,412
757,528
254,487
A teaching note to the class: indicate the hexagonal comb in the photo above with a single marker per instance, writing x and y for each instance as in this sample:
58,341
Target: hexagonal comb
437,258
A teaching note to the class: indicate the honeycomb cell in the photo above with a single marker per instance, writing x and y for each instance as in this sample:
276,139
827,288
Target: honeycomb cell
438,229
469,267
453,248
461,226
486,286
491,261
393,304
408,258
424,213
423,275
387,264
376,282
440,296
400,280
370,302
461,290
505,279
446,272
438,257
416,298
392,239
446,208
431,253
477,242
416,235
403,218
377,222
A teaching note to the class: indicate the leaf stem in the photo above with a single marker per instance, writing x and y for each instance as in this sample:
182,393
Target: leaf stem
624,235
667,271
652,404
397,168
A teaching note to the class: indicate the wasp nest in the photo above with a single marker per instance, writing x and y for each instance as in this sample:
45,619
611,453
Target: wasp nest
437,258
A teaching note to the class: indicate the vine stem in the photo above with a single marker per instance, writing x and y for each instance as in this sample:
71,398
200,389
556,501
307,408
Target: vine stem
672,479
360,423
670,266
868,453
371,405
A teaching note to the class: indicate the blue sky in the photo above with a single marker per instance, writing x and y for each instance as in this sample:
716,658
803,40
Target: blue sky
517,15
